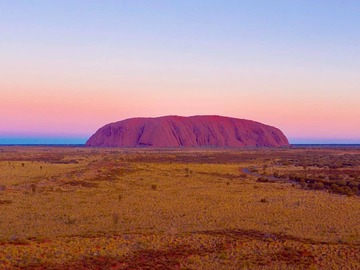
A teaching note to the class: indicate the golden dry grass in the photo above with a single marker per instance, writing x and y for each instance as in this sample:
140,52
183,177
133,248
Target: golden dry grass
193,209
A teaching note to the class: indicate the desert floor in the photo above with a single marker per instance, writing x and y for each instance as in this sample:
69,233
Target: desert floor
90,208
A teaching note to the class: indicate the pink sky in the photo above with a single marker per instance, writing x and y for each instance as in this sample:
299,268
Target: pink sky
46,108
66,70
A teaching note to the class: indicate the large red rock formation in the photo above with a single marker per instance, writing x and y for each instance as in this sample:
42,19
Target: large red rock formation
194,131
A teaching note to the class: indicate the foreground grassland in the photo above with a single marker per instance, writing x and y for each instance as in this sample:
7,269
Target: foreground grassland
83,208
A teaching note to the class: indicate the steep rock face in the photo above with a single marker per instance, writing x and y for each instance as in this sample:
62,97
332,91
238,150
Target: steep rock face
194,131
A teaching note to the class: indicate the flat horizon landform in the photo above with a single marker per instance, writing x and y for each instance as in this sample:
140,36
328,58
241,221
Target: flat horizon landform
193,131
194,208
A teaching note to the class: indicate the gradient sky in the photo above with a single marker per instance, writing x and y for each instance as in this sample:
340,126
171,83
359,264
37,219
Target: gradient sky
69,67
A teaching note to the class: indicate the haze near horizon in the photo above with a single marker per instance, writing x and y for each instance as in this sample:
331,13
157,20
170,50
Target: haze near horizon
69,67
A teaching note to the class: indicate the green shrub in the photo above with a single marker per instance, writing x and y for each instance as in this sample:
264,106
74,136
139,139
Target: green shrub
319,185
115,218
263,179
33,188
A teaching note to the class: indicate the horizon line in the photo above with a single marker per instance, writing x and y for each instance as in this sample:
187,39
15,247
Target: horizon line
81,140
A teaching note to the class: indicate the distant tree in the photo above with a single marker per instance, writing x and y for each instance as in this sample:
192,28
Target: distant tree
319,185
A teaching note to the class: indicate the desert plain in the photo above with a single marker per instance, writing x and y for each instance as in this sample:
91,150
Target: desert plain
111,208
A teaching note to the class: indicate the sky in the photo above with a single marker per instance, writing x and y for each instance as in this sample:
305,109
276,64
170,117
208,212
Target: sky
69,67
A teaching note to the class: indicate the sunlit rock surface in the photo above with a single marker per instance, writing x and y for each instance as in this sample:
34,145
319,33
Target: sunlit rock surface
194,131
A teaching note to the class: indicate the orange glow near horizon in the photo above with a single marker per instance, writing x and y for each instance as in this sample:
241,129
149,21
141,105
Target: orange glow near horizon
27,110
